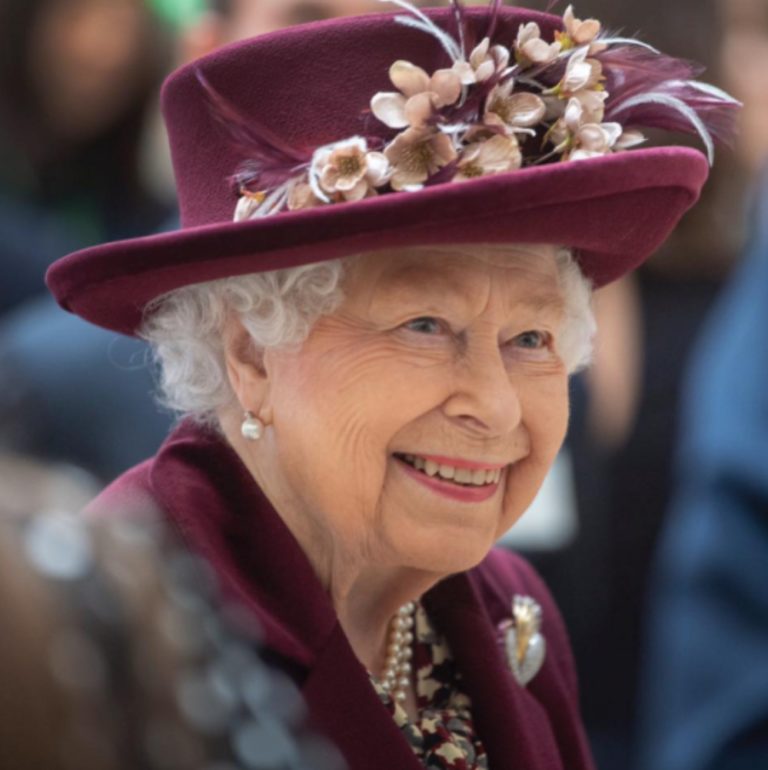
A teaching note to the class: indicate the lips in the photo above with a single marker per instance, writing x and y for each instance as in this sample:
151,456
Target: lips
450,488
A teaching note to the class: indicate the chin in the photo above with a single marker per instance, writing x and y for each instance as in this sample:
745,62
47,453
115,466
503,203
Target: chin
446,553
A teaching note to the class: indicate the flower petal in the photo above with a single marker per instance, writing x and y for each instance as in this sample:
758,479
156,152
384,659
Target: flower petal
446,85
586,31
389,108
479,53
465,71
630,138
612,131
525,109
501,56
378,168
485,71
409,78
357,192
418,109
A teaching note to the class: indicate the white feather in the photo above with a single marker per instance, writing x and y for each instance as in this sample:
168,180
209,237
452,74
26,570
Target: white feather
678,105
446,41
705,88
274,201
425,24
626,41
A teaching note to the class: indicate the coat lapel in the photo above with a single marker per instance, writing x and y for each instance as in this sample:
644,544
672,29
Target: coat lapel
345,706
512,724
211,498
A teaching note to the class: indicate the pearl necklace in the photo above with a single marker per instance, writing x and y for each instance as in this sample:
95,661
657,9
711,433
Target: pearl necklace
397,668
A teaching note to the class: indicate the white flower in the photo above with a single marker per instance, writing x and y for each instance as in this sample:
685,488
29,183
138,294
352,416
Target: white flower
419,95
347,170
581,73
416,154
492,156
513,111
577,32
592,140
485,61
530,49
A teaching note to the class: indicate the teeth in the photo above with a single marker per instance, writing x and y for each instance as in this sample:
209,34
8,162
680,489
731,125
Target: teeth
459,475
463,476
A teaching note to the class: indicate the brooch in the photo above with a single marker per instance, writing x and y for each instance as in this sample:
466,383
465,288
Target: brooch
524,645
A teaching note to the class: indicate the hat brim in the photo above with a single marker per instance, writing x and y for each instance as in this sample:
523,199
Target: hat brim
614,210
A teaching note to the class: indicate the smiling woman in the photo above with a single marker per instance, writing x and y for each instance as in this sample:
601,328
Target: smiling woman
370,332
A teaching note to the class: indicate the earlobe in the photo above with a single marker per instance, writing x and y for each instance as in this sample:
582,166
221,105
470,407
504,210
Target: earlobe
246,370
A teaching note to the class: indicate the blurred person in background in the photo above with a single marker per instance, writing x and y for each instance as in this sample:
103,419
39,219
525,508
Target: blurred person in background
68,390
76,78
706,675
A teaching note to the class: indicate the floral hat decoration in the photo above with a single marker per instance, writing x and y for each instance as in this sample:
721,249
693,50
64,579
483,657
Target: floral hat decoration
420,127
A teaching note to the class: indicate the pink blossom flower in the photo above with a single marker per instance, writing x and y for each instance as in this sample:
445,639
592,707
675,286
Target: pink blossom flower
530,49
580,73
577,32
513,111
419,95
347,170
485,61
416,154
492,156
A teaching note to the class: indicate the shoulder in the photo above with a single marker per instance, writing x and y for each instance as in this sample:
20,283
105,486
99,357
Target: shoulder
129,495
504,574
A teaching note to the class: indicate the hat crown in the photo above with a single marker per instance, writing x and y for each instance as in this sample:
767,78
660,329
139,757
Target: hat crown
309,85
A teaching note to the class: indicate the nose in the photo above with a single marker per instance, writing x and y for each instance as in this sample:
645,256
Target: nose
484,397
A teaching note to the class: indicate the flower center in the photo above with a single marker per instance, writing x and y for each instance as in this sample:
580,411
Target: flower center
418,157
349,165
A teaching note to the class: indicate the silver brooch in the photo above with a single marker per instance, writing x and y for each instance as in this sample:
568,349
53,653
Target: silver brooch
526,648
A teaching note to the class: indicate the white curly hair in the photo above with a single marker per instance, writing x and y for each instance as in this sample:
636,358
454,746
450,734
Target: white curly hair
278,309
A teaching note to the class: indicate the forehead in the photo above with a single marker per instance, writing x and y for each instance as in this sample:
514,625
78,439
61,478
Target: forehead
466,272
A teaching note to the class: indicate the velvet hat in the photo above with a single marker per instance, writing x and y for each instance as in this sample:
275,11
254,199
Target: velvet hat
286,149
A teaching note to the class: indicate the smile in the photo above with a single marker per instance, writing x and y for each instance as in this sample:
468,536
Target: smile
467,491
461,476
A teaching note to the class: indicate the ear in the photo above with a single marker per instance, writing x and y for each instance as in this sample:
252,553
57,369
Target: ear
248,376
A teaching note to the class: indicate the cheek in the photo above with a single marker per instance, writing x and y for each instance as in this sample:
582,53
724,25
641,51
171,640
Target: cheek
336,414
544,424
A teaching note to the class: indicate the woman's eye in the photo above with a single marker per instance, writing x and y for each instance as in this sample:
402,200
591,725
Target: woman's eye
424,325
532,340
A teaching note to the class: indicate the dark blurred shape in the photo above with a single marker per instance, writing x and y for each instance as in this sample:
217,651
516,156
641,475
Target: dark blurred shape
123,657
707,671
76,77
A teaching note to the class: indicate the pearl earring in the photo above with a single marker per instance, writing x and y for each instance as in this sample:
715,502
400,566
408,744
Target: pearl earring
252,427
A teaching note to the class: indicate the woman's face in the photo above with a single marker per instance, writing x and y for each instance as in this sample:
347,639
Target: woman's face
443,359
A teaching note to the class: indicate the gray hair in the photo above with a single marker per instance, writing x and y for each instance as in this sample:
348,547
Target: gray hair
278,309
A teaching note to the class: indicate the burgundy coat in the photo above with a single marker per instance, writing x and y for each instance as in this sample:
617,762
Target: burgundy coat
200,485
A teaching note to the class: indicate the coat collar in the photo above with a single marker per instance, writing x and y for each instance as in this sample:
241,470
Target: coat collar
211,497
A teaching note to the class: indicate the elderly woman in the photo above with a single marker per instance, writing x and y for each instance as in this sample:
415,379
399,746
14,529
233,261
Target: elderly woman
374,356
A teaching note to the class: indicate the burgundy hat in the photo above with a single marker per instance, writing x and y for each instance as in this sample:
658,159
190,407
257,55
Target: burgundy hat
266,130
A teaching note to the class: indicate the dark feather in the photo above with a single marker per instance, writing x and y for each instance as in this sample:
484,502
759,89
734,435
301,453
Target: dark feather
268,161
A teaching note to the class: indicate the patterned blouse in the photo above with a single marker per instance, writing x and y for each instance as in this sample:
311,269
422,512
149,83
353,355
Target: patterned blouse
443,736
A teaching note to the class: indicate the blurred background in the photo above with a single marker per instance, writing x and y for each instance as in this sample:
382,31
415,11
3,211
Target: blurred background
83,160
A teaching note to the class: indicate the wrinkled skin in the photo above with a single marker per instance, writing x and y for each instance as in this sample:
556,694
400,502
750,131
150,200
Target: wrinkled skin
449,352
